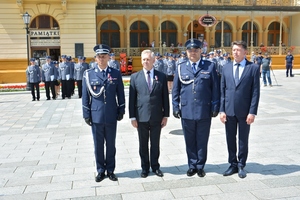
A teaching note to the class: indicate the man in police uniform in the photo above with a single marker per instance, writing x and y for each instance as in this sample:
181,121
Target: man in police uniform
49,77
33,75
103,103
221,63
79,68
65,75
289,63
71,81
158,64
192,80
113,63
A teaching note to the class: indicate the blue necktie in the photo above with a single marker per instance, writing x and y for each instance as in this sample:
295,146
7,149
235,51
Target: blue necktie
103,73
236,75
194,68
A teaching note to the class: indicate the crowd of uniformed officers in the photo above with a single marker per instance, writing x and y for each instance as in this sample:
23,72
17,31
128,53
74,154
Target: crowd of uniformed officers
55,74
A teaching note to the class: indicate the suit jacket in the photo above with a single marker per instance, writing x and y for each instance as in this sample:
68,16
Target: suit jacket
242,99
106,107
145,105
197,99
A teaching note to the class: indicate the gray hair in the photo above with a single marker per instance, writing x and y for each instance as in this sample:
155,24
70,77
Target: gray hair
148,51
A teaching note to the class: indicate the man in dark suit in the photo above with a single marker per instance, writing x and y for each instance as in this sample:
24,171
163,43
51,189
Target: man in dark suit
103,104
196,99
148,110
240,91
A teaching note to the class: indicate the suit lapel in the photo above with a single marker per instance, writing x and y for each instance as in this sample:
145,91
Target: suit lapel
189,67
155,78
143,80
245,71
99,73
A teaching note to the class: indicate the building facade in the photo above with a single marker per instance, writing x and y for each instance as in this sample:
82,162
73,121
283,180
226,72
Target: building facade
73,27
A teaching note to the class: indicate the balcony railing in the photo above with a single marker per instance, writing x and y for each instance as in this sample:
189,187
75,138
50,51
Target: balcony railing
270,50
207,2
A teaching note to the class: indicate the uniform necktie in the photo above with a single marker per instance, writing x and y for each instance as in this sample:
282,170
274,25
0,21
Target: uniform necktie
103,73
149,81
237,75
194,68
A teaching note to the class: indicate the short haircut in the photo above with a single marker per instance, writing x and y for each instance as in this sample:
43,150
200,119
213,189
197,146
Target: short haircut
242,43
148,51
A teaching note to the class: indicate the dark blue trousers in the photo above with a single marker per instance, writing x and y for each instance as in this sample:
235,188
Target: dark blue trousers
233,123
104,136
196,134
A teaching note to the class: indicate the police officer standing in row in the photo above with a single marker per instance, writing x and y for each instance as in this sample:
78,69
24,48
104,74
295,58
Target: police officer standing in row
79,68
71,63
158,64
113,63
33,76
221,64
49,77
103,104
196,99
65,75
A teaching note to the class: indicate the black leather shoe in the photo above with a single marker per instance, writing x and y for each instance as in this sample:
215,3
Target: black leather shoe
201,173
100,177
112,176
241,172
231,170
144,174
191,172
158,172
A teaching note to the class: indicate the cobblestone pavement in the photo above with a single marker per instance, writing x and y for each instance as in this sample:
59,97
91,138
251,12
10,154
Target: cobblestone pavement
47,153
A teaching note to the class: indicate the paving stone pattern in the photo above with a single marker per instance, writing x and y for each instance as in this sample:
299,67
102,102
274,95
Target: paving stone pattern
47,153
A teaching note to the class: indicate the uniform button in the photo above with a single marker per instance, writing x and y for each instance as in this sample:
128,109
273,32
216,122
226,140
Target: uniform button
195,99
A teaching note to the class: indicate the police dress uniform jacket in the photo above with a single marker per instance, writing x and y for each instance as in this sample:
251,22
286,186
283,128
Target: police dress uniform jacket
171,67
159,65
79,68
196,95
114,64
145,105
65,71
242,99
33,74
102,97
48,73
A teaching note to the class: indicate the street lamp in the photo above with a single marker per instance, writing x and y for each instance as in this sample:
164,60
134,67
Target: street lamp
26,19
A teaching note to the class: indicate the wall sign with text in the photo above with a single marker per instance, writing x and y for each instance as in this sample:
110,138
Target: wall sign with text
207,20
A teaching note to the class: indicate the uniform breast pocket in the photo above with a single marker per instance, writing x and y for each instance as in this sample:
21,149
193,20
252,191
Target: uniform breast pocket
185,77
95,82
95,85
205,76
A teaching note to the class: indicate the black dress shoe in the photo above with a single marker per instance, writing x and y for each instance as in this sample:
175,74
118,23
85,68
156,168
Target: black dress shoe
201,173
144,174
48,99
241,172
158,172
112,176
33,99
191,172
100,177
231,170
